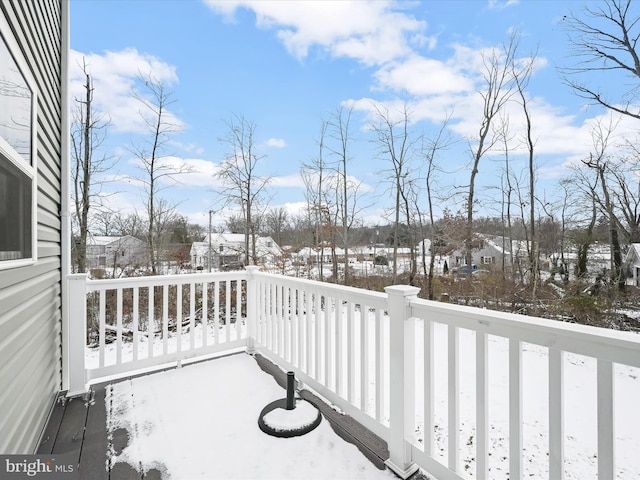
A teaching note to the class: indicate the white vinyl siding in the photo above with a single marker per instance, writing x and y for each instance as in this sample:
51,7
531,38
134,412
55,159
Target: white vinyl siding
30,295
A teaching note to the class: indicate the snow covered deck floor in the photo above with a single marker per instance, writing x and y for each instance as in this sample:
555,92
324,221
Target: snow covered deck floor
79,426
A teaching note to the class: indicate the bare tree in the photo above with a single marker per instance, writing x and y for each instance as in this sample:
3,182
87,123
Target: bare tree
604,39
584,237
600,163
242,183
430,149
314,176
346,188
276,221
497,89
507,192
88,132
521,77
158,171
395,144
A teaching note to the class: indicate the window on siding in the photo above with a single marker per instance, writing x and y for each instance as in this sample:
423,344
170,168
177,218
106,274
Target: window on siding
17,169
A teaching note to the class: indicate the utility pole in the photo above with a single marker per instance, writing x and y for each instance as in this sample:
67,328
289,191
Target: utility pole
209,256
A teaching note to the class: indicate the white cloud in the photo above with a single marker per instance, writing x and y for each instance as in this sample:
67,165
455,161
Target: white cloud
420,76
368,31
114,77
276,143
293,180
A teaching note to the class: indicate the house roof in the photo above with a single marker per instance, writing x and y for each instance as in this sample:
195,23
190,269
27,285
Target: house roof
108,239
633,255
234,241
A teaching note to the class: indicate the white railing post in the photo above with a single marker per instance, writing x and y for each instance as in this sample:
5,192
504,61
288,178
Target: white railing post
77,334
401,379
252,307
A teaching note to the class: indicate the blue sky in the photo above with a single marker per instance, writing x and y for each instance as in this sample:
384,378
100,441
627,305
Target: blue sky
285,66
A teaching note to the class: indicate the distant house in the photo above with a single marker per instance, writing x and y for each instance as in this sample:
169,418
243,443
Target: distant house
598,258
226,250
115,252
34,236
632,262
491,250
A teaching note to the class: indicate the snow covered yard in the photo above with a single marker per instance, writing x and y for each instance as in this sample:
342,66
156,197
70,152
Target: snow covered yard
201,422
580,403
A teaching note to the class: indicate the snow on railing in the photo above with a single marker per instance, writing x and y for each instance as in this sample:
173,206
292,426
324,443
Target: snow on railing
519,392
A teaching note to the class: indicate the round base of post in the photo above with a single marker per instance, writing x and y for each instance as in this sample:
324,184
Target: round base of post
277,421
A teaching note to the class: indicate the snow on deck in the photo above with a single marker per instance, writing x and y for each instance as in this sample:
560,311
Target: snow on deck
201,421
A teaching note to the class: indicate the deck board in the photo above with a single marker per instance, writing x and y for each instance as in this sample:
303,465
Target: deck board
93,457
52,428
71,433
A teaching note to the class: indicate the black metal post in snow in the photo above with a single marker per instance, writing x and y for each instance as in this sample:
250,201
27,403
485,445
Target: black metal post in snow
291,404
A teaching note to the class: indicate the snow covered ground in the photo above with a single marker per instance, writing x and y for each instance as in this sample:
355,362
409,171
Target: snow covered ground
201,422
580,410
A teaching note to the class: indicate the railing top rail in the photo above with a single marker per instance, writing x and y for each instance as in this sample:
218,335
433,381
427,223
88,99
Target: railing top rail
596,342
128,282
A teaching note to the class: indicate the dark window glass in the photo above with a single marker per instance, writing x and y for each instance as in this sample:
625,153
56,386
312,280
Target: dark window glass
15,212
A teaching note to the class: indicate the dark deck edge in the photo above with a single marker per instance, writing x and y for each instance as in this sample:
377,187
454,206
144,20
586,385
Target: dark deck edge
52,425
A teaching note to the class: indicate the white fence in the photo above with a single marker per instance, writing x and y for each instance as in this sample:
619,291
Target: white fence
392,361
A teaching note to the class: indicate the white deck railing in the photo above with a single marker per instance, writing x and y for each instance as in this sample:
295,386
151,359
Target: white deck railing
392,361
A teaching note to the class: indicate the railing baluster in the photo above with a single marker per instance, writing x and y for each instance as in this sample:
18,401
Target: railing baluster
364,357
287,324
119,326
281,320
606,437
272,316
299,318
136,320
328,358
339,347
515,409
428,364
318,336
216,313
204,318
227,308
351,359
453,398
179,317
102,329
165,319
482,406
238,309
294,327
308,306
556,414
379,356
192,315
151,322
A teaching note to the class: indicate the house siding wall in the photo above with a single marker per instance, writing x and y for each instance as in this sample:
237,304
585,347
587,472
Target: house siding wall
30,297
